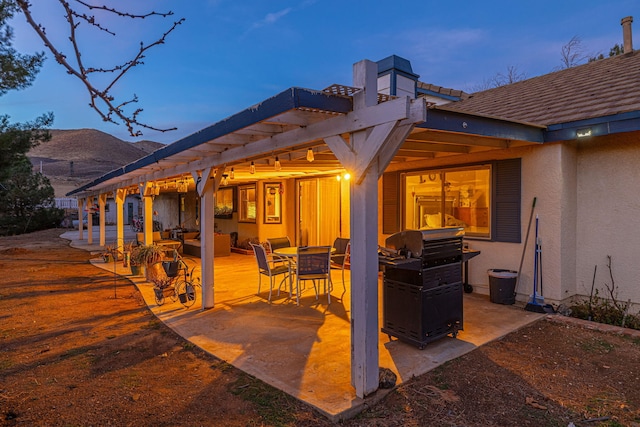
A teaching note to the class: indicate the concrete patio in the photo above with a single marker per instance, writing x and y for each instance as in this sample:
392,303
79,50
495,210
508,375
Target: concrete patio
305,350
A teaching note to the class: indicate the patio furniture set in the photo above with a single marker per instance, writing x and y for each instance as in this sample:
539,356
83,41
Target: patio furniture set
277,259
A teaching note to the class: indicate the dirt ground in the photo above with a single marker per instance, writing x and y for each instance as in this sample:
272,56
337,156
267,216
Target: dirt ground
80,348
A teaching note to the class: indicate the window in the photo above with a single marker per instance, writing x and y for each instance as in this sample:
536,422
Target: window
247,203
458,197
224,203
496,184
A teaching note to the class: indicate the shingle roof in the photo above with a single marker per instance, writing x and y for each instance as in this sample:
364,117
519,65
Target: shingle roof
596,89
442,90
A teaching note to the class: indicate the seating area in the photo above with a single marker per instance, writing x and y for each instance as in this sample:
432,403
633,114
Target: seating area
277,257
191,244
169,244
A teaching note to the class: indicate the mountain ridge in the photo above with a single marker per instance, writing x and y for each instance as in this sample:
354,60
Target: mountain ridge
74,157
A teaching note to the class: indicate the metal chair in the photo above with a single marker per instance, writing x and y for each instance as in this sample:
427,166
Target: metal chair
341,257
278,242
272,266
314,263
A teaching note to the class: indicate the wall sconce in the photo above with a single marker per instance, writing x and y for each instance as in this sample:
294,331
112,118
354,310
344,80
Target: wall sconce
225,181
232,174
277,164
310,156
583,133
252,168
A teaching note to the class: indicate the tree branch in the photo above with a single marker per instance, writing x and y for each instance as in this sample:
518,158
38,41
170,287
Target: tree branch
100,99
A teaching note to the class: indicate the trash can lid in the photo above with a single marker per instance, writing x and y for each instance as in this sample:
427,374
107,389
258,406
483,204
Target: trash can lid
503,274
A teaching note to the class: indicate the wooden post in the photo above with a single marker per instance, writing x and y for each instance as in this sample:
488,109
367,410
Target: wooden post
102,201
364,243
120,195
205,189
89,206
80,228
147,214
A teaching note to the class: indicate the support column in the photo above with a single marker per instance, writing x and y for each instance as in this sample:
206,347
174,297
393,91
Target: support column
364,254
205,189
89,208
364,285
80,227
147,214
102,201
120,195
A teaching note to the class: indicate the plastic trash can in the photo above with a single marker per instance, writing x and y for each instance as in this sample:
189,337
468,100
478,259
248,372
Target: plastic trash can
502,285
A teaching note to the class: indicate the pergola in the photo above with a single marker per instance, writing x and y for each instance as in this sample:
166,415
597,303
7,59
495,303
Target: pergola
353,128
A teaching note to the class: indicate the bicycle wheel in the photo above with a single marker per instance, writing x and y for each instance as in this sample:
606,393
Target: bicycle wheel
159,294
186,293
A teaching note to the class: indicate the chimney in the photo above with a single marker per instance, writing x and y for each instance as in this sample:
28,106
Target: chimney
626,34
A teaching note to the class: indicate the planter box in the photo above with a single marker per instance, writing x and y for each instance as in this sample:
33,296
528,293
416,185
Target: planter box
242,251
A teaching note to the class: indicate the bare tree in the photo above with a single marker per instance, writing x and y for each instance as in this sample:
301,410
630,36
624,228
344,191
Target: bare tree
512,75
101,100
572,53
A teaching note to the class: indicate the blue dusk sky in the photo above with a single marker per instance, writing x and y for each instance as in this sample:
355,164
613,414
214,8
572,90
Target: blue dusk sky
231,54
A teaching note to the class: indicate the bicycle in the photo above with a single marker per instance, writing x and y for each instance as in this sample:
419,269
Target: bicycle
136,224
179,284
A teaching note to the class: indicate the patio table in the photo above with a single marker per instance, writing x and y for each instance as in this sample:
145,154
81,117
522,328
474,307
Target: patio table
291,251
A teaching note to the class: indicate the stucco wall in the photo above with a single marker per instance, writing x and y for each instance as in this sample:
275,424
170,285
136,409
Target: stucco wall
543,177
608,215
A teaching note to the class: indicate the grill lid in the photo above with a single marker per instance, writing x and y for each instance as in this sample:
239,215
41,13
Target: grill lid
407,241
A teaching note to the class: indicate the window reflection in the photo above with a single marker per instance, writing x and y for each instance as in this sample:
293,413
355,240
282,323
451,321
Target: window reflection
449,198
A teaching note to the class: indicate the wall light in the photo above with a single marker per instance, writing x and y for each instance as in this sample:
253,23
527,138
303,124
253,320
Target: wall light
583,133
232,174
310,156
277,164
252,168
225,181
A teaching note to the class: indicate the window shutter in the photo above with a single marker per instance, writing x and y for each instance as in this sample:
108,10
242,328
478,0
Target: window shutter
390,202
507,201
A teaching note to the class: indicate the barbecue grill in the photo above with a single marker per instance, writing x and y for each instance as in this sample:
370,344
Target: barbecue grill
422,286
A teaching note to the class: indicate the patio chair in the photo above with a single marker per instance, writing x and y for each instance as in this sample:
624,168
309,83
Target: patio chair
341,257
278,242
314,263
272,266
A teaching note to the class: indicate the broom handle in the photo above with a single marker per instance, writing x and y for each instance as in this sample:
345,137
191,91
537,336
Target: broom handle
524,249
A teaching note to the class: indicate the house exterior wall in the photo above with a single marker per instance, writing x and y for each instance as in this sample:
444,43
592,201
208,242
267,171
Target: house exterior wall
549,174
167,205
608,222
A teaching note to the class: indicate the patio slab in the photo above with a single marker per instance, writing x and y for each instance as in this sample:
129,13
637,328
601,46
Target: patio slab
305,350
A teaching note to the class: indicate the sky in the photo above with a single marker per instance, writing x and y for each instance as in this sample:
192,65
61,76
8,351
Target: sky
231,54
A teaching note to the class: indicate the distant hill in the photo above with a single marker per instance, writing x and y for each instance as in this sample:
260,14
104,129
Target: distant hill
74,157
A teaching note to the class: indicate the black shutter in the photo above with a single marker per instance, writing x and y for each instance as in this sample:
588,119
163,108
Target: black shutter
390,202
506,213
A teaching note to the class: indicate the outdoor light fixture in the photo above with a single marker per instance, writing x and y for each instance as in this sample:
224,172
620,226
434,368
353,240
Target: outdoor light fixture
182,186
225,181
345,175
310,156
277,164
583,133
252,168
232,174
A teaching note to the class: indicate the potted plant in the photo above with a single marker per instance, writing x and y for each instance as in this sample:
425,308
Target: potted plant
149,257
135,261
110,253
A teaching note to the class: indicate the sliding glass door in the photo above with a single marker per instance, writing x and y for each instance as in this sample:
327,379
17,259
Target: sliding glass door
318,211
